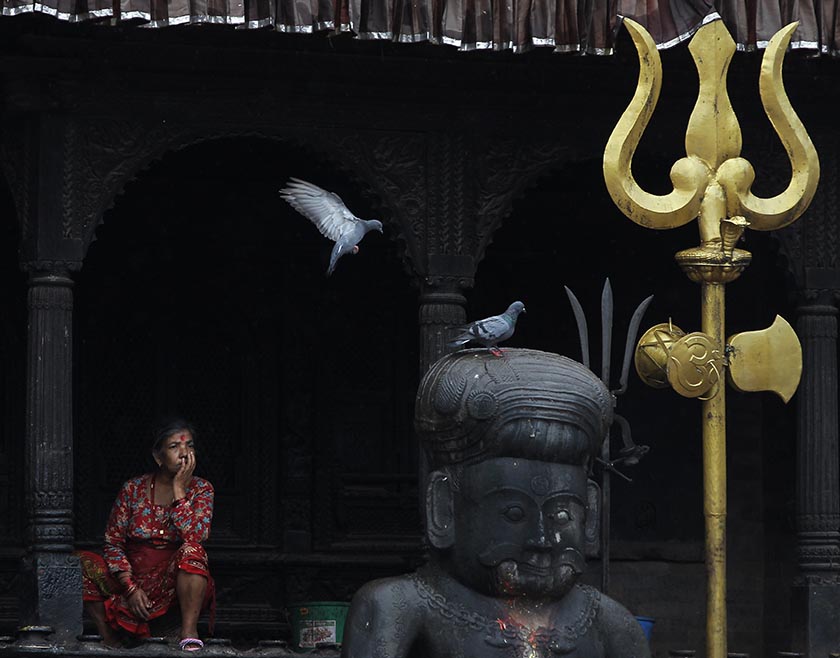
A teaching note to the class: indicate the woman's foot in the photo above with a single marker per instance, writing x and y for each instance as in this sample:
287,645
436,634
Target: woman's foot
110,637
190,644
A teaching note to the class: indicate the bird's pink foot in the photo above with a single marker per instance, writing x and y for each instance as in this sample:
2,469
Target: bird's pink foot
356,249
495,351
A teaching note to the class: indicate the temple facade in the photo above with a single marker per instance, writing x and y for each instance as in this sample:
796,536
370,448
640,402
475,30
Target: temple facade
149,265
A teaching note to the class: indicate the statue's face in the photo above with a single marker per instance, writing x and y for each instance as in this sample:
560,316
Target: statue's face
519,527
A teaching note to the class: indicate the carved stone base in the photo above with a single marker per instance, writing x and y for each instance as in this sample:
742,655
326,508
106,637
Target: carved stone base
51,594
815,609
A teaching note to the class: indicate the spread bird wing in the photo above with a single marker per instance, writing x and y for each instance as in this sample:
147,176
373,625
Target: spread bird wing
324,209
489,328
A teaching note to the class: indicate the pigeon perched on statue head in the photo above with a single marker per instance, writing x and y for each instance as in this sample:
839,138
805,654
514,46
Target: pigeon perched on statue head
329,214
491,331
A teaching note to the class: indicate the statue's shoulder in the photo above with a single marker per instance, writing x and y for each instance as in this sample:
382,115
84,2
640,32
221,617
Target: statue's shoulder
621,630
425,589
385,619
612,612
582,607
398,593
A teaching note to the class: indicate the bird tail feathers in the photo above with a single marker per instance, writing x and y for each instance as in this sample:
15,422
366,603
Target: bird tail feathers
462,338
334,256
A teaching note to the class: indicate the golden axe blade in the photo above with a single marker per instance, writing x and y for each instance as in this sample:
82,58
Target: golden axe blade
766,360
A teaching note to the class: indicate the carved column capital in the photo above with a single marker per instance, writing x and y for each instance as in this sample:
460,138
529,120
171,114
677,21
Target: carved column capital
448,274
442,303
51,272
441,283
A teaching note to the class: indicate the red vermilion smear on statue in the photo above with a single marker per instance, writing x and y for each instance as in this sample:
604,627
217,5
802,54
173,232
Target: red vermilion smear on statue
532,638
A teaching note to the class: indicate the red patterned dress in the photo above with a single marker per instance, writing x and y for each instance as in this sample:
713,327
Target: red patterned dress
151,542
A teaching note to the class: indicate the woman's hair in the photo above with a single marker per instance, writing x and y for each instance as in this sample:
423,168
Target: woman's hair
169,426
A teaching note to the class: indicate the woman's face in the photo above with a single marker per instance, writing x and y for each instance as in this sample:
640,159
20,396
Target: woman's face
174,450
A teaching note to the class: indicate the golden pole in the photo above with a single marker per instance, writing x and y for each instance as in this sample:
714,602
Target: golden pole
695,369
714,480
713,185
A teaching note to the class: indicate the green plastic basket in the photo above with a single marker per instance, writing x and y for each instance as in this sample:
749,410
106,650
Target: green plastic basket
313,622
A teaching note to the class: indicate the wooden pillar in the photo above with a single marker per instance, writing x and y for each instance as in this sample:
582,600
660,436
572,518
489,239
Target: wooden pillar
816,596
441,308
51,598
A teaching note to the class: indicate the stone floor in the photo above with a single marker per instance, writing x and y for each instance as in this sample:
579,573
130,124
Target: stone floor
32,645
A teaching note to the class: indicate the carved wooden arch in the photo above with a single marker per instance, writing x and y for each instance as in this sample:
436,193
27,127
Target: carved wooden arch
511,168
393,168
104,155
813,241
16,161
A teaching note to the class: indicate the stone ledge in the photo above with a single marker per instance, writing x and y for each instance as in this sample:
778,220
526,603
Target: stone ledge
90,646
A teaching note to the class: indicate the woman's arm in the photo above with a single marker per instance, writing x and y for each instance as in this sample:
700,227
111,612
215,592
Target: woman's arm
116,532
192,514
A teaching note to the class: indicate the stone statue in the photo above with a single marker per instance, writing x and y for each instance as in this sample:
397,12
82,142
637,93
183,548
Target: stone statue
510,514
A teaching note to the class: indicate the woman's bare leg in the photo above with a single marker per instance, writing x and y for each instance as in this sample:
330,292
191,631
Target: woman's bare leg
190,589
96,610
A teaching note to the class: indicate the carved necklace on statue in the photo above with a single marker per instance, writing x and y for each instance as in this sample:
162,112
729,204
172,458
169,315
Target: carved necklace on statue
525,641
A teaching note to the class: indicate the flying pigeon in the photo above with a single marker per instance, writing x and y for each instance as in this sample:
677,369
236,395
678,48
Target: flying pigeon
332,218
491,331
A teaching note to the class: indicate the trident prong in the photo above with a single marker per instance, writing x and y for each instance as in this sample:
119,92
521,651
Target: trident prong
737,175
688,175
713,184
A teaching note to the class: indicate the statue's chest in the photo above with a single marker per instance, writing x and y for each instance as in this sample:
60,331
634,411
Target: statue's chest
459,642
455,631
520,641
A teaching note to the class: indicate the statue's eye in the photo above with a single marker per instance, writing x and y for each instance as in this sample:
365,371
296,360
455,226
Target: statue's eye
562,516
514,513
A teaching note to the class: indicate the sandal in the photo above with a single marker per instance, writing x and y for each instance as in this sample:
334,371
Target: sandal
190,644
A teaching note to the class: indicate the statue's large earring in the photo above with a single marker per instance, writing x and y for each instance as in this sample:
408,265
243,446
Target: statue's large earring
440,511
592,528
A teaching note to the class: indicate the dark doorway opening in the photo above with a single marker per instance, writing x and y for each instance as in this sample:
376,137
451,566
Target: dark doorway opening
205,294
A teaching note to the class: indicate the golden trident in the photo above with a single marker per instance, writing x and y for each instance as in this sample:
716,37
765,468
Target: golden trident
713,183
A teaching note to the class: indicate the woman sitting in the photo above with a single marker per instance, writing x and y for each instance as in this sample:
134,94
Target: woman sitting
153,552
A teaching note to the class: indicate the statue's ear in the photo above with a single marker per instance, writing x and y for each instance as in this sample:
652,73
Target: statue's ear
440,510
592,529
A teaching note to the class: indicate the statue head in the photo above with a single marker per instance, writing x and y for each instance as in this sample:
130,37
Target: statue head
509,507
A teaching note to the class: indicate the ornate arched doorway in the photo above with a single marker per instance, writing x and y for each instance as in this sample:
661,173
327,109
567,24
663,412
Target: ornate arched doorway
205,294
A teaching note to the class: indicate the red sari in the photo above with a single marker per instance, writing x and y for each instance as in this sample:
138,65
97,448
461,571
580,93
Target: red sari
151,542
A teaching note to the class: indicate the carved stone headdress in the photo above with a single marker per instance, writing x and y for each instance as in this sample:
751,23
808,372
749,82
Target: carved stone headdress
529,404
